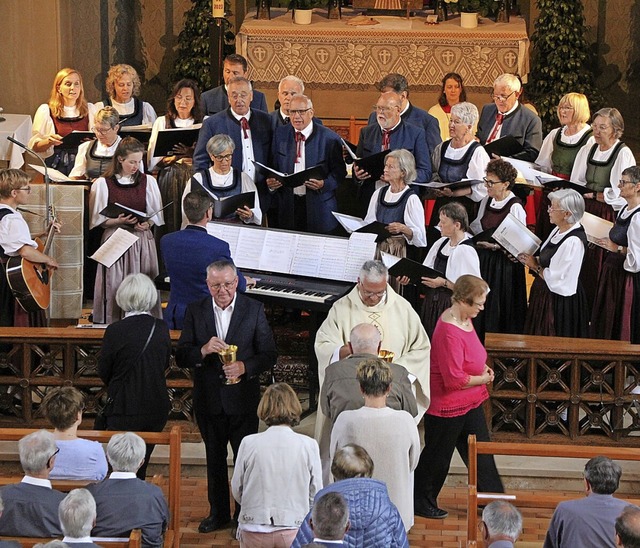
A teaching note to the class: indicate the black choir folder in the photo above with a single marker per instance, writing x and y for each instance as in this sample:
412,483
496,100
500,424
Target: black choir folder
113,211
292,180
414,270
373,165
168,139
76,138
142,132
553,183
356,224
454,185
505,146
227,206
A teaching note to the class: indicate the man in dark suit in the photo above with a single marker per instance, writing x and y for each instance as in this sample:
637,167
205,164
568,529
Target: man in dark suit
330,520
186,255
506,116
225,412
215,100
298,146
31,506
124,502
409,112
77,517
250,130
390,132
287,88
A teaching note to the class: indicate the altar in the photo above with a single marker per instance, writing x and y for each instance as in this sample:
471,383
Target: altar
329,54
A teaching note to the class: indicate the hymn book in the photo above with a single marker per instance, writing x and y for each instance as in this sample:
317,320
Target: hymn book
415,271
515,237
292,180
595,227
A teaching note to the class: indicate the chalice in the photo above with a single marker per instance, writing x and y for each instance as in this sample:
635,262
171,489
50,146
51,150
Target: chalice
227,356
386,355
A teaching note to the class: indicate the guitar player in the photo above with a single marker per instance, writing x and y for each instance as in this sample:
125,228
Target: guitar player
15,240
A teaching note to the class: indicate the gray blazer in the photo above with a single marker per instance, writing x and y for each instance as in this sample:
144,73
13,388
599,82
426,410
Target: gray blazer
30,511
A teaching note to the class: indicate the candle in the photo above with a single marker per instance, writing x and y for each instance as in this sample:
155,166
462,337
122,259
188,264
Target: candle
218,8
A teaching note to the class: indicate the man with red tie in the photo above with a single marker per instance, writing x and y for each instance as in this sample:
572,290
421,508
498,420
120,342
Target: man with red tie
297,146
506,116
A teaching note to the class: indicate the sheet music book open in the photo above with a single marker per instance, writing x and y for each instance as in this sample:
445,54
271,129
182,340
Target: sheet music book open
515,237
301,254
595,227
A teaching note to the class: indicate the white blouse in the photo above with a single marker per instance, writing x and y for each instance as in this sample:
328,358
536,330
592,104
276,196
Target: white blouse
516,210
463,259
546,150
413,213
222,181
561,276
14,232
632,261
80,166
624,160
99,198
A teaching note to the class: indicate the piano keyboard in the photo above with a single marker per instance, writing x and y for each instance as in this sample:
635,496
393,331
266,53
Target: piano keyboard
287,293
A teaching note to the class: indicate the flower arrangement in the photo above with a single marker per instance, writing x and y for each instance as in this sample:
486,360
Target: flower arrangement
483,7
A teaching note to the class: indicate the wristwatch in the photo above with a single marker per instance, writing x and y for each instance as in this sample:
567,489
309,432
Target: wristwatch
620,249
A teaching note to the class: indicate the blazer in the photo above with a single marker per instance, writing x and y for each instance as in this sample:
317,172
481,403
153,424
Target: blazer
127,504
522,123
405,136
224,122
250,332
138,385
421,118
322,146
215,100
30,511
188,270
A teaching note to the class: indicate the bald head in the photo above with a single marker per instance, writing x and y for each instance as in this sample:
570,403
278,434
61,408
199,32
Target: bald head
365,339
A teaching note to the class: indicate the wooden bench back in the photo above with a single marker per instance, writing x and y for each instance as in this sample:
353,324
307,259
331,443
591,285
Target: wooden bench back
528,500
134,541
173,439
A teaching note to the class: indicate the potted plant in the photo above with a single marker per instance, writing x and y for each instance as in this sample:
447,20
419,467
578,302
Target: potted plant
470,9
302,11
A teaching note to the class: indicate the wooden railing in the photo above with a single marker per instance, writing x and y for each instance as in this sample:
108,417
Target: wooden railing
524,499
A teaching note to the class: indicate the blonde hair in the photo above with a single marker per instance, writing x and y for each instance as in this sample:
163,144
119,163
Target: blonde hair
580,105
280,405
115,72
374,376
56,102
12,179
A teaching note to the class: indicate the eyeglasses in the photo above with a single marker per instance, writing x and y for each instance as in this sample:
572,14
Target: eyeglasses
376,108
500,97
550,209
565,107
299,112
369,294
490,183
236,96
457,123
223,157
102,131
54,454
226,285
27,188
622,182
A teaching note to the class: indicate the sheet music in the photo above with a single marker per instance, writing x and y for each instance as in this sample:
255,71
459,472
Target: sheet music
277,251
362,248
55,175
595,227
308,256
349,222
115,247
388,260
226,232
333,259
515,237
249,247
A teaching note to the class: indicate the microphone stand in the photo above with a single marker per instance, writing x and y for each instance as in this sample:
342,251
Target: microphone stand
47,181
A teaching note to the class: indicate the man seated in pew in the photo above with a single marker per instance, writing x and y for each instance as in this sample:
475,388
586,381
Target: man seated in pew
187,268
501,524
7,543
216,100
31,506
408,111
301,145
341,389
77,514
389,131
125,502
589,522
628,527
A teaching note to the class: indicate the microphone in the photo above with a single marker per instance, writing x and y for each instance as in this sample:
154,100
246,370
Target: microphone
46,174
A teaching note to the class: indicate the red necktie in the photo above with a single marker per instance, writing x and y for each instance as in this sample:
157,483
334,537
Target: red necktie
245,126
386,139
299,138
494,132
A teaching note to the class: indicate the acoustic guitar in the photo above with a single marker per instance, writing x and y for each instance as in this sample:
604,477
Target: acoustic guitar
30,282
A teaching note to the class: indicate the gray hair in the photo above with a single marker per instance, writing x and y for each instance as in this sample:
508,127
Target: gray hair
633,172
240,80
628,527
77,513
603,475
306,99
406,163
502,518
374,271
108,115
219,266
365,338
219,143
614,116
125,452
570,200
295,80
137,293
467,112
509,80
330,516
36,450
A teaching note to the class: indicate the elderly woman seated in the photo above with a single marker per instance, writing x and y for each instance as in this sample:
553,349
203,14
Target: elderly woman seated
77,458
373,518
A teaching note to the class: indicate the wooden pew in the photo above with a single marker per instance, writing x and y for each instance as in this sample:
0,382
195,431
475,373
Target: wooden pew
173,439
134,541
527,499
